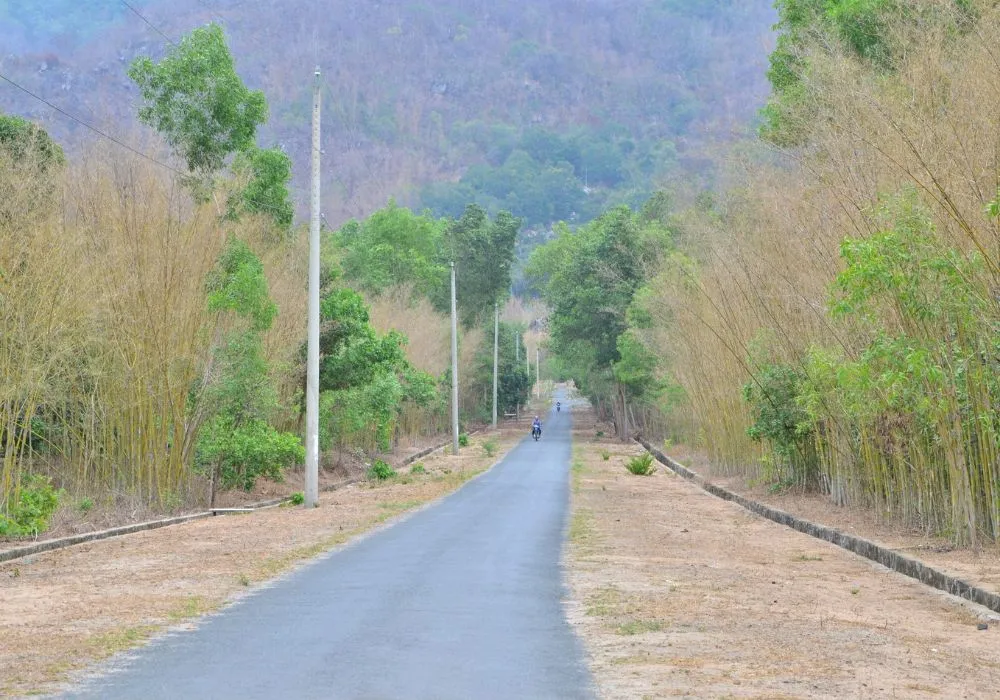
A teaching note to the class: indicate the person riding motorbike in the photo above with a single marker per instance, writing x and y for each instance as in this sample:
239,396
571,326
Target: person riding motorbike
536,427
558,406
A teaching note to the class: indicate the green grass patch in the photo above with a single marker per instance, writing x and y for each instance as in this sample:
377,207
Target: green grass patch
577,469
111,643
808,557
400,506
581,527
194,606
604,602
639,627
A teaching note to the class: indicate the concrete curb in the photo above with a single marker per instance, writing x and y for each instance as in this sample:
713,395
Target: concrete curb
891,559
60,543
63,542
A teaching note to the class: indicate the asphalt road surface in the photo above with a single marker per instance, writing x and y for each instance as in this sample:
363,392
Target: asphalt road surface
462,600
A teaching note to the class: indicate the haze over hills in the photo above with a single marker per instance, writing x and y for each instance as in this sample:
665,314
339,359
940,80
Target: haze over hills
551,109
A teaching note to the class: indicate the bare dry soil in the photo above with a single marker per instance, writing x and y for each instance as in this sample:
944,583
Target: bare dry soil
677,593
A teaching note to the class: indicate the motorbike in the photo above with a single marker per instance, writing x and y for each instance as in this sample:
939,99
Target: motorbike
536,432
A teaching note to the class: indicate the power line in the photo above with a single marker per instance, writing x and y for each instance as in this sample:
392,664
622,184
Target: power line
91,127
109,137
150,24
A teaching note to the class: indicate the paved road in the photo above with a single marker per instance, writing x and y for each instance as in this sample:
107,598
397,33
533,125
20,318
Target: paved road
463,600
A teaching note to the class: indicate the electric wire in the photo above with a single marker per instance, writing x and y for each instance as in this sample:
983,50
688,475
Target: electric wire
150,24
109,137
92,128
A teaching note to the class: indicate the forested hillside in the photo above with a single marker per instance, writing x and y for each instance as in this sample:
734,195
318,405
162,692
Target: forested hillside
552,110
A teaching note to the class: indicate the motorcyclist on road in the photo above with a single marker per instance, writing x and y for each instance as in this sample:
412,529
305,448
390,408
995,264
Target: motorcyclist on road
558,406
536,426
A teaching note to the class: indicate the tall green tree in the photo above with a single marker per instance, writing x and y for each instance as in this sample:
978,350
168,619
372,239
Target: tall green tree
483,252
513,381
364,378
237,444
589,278
392,247
195,98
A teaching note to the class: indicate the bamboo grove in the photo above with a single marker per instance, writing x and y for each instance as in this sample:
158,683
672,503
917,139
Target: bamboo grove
152,309
831,319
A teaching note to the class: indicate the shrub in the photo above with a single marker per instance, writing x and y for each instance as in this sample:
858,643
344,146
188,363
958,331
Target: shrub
245,453
605,455
380,471
463,440
490,447
600,433
85,505
641,465
418,468
780,419
29,515
298,498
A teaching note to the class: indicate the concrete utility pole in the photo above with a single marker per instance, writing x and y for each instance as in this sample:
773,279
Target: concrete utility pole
454,364
312,366
496,358
517,361
538,383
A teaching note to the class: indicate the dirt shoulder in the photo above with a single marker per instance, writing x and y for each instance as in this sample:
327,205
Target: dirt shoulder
677,593
979,566
80,515
62,611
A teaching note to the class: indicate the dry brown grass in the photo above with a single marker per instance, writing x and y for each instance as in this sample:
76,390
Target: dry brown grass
428,332
677,593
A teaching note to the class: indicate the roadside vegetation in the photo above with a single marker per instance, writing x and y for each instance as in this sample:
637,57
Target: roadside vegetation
830,322
152,310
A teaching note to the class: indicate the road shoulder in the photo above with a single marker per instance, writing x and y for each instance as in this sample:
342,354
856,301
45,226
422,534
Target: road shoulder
677,593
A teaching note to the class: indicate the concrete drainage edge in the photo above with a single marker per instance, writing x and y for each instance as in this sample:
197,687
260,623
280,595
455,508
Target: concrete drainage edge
889,558
63,542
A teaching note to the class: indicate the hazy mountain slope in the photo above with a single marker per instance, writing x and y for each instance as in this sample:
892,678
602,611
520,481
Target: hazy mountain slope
420,91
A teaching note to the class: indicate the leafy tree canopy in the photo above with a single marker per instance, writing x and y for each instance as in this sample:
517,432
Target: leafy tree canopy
513,382
483,252
238,284
23,140
591,278
268,172
393,247
195,98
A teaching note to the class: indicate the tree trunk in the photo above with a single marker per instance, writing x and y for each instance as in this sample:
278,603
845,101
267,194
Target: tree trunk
619,408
